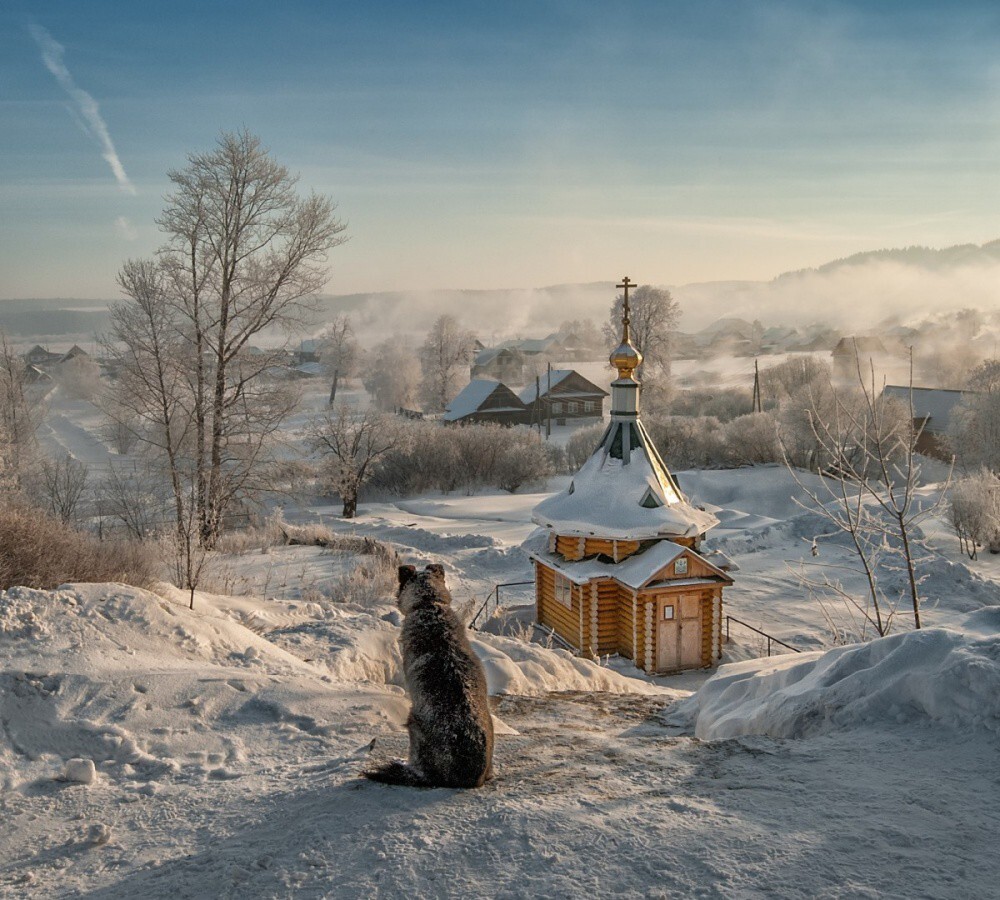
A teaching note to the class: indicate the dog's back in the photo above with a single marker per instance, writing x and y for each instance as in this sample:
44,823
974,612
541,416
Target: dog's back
451,730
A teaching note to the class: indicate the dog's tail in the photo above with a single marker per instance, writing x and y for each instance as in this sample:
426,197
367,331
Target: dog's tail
397,773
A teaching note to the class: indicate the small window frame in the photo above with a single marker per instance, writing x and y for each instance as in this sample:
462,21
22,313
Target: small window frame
563,591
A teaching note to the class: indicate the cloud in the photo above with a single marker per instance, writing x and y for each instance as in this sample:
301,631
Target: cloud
84,104
125,228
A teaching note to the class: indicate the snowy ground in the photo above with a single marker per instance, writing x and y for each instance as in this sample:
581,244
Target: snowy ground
227,741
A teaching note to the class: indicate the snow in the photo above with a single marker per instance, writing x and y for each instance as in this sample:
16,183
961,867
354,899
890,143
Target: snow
605,499
470,398
545,383
932,675
635,572
226,742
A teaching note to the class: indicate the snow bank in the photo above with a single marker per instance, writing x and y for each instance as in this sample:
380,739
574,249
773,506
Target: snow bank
517,667
932,675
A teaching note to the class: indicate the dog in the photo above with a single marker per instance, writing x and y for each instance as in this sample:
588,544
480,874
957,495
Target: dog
450,726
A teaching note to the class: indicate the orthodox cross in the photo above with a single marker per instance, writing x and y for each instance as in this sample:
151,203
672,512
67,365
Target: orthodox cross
625,285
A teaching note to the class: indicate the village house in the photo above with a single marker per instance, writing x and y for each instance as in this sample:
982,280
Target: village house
563,394
485,400
501,363
39,356
932,415
618,561
852,351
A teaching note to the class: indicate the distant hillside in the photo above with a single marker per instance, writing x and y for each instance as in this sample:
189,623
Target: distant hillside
923,257
850,294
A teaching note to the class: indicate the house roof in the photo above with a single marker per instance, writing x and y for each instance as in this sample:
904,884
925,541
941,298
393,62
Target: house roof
864,344
472,397
636,571
634,500
485,357
934,405
530,393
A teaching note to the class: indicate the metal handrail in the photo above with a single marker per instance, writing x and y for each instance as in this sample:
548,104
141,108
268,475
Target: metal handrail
770,637
494,593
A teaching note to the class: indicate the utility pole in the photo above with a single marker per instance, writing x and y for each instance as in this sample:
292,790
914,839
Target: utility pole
756,388
548,403
537,412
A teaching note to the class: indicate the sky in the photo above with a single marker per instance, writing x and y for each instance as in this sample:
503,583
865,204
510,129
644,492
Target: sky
508,144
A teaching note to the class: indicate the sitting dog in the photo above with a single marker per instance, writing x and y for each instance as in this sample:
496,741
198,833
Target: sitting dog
451,730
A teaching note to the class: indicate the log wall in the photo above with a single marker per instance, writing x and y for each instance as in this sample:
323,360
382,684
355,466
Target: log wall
553,614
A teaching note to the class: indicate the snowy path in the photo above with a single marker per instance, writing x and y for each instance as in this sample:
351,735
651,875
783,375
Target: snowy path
595,796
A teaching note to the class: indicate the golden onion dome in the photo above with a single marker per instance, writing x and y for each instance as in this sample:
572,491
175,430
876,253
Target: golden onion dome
625,358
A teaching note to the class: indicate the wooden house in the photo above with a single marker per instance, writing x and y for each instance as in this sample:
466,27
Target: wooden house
933,409
39,356
501,363
851,352
485,400
563,394
618,561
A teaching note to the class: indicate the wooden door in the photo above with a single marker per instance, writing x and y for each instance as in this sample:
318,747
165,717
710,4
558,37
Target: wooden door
668,637
690,630
678,636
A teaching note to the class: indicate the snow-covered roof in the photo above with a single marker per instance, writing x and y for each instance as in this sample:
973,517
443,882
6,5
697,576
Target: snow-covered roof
633,500
933,404
312,369
545,384
470,398
636,571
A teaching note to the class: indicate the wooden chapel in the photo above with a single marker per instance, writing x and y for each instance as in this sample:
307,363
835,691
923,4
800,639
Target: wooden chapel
617,562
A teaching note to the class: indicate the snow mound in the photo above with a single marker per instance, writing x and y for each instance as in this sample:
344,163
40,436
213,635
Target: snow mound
932,675
517,667
102,628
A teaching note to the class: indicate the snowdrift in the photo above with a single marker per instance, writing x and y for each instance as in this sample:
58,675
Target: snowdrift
932,675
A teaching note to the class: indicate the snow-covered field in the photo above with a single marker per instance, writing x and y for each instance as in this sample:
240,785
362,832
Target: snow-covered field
227,741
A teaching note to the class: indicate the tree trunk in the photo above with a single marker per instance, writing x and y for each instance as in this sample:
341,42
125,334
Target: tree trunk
350,505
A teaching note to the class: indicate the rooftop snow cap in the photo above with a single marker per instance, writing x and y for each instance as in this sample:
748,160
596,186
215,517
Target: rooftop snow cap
624,490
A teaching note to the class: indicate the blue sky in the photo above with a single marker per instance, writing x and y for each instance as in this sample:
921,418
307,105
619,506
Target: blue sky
511,144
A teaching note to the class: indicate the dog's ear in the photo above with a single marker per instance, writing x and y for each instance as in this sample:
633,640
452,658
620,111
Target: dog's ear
435,569
405,574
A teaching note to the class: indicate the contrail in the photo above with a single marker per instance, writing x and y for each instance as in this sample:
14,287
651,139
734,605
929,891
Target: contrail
52,56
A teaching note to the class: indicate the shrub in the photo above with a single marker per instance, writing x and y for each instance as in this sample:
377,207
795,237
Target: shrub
39,551
581,445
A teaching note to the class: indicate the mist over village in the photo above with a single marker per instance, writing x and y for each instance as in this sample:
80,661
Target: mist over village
531,450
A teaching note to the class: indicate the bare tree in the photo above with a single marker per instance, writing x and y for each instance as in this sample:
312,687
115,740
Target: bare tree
244,254
20,416
351,444
338,347
654,316
444,361
63,484
392,375
137,498
869,493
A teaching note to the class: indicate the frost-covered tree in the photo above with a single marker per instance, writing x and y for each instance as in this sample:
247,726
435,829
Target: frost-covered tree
62,483
392,375
654,315
338,352
975,424
869,494
975,511
350,445
444,361
20,416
